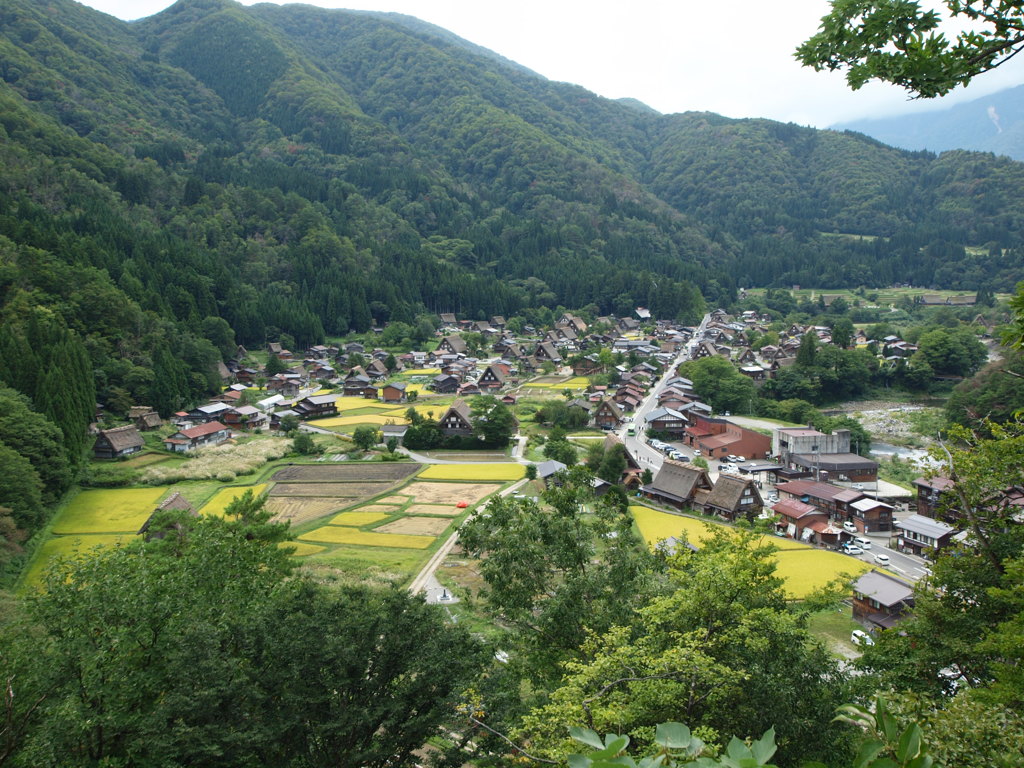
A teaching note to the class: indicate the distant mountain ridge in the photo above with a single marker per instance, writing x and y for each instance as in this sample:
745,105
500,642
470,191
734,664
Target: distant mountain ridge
290,169
993,123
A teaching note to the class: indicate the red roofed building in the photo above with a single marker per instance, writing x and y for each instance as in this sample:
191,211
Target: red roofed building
211,433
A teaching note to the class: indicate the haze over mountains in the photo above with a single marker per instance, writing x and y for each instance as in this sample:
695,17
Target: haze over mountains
993,123
290,168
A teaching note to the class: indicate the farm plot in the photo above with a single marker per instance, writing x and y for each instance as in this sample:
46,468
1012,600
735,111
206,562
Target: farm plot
430,526
341,473
450,494
396,499
302,548
68,547
379,419
302,509
108,511
474,472
337,534
357,519
434,509
803,568
337,490
223,498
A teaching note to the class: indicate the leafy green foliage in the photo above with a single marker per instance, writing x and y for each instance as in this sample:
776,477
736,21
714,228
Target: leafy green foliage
196,648
902,43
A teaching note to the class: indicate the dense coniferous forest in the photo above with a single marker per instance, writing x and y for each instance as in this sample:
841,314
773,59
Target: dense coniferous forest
218,174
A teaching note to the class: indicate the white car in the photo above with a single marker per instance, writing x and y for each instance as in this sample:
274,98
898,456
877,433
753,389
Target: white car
881,559
863,543
860,637
852,549
849,527
741,459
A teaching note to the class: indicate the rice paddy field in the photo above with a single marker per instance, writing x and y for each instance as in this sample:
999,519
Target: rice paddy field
366,520
121,510
577,382
220,500
66,547
484,472
803,568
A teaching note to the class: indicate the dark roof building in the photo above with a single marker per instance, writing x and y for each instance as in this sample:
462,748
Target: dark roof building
117,442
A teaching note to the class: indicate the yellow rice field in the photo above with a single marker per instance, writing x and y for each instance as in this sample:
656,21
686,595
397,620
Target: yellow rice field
804,568
357,519
122,510
380,419
302,548
473,472
220,500
421,372
66,547
336,534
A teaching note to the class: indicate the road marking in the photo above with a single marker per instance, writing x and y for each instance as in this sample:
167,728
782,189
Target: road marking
898,570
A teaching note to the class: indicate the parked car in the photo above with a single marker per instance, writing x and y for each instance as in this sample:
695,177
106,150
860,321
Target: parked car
849,527
772,498
881,558
723,467
861,542
732,457
853,549
741,459
860,637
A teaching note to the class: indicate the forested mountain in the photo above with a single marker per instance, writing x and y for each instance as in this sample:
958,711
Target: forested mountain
219,173
993,123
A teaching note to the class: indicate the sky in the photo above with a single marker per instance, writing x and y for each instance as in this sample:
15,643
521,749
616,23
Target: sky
733,58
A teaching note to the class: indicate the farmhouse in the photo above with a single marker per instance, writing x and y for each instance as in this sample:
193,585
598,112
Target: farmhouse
679,485
934,495
212,433
394,393
494,376
456,420
881,600
608,414
444,383
922,535
173,503
118,442
734,497
796,518
316,406
453,344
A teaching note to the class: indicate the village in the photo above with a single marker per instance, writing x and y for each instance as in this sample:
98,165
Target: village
613,382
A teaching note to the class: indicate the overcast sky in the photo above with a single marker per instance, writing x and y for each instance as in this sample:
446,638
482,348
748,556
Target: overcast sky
734,58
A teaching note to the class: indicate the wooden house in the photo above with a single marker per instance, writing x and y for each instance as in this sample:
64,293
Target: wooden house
734,497
679,485
317,406
881,600
394,392
456,420
454,345
494,376
190,439
608,414
118,442
444,383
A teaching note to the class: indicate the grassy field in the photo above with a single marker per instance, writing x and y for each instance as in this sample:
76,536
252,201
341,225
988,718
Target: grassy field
225,496
483,472
803,568
107,511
